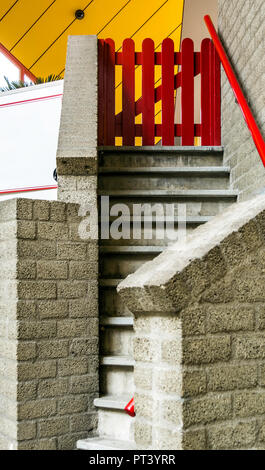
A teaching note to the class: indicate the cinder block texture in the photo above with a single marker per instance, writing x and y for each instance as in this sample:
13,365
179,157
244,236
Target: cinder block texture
199,341
242,30
77,146
48,345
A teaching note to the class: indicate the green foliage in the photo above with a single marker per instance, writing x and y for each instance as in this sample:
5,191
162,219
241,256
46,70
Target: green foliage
50,78
13,85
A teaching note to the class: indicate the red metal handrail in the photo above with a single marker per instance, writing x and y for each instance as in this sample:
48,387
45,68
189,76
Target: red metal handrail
22,69
249,118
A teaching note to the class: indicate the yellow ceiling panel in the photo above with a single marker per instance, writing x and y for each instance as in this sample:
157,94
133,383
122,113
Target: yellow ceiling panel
132,19
162,24
131,12
37,31
99,14
12,27
106,19
166,22
6,6
47,30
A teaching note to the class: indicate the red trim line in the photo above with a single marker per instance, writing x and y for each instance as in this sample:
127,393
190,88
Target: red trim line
30,101
249,118
22,190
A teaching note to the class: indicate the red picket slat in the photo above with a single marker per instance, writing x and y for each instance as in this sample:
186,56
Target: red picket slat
211,58
101,92
148,92
187,92
123,125
168,110
128,92
205,93
109,91
217,98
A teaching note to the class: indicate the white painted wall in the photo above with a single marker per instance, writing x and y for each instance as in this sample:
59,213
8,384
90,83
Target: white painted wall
28,138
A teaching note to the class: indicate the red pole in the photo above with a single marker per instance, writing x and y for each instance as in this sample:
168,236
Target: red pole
249,118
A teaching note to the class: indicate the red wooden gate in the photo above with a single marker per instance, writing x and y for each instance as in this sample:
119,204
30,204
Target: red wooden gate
206,63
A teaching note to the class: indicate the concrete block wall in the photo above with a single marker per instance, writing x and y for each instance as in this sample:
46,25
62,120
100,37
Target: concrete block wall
158,380
242,30
49,326
199,341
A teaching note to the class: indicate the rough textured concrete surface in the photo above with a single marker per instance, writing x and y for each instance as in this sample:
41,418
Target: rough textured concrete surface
49,326
242,30
77,146
199,336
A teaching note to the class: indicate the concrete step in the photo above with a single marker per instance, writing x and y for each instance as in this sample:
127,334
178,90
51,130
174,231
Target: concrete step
119,261
130,250
115,424
120,361
190,219
194,206
116,375
99,443
116,321
148,236
147,244
119,265
109,282
160,156
113,402
115,379
162,183
164,180
116,341
111,302
166,171
177,194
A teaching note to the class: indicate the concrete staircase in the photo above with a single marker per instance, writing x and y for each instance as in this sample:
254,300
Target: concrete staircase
191,175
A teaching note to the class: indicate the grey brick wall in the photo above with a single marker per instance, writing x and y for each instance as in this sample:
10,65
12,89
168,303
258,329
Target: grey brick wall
49,326
199,337
242,29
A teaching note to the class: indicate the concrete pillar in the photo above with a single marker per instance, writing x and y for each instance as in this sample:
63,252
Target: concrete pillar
77,145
